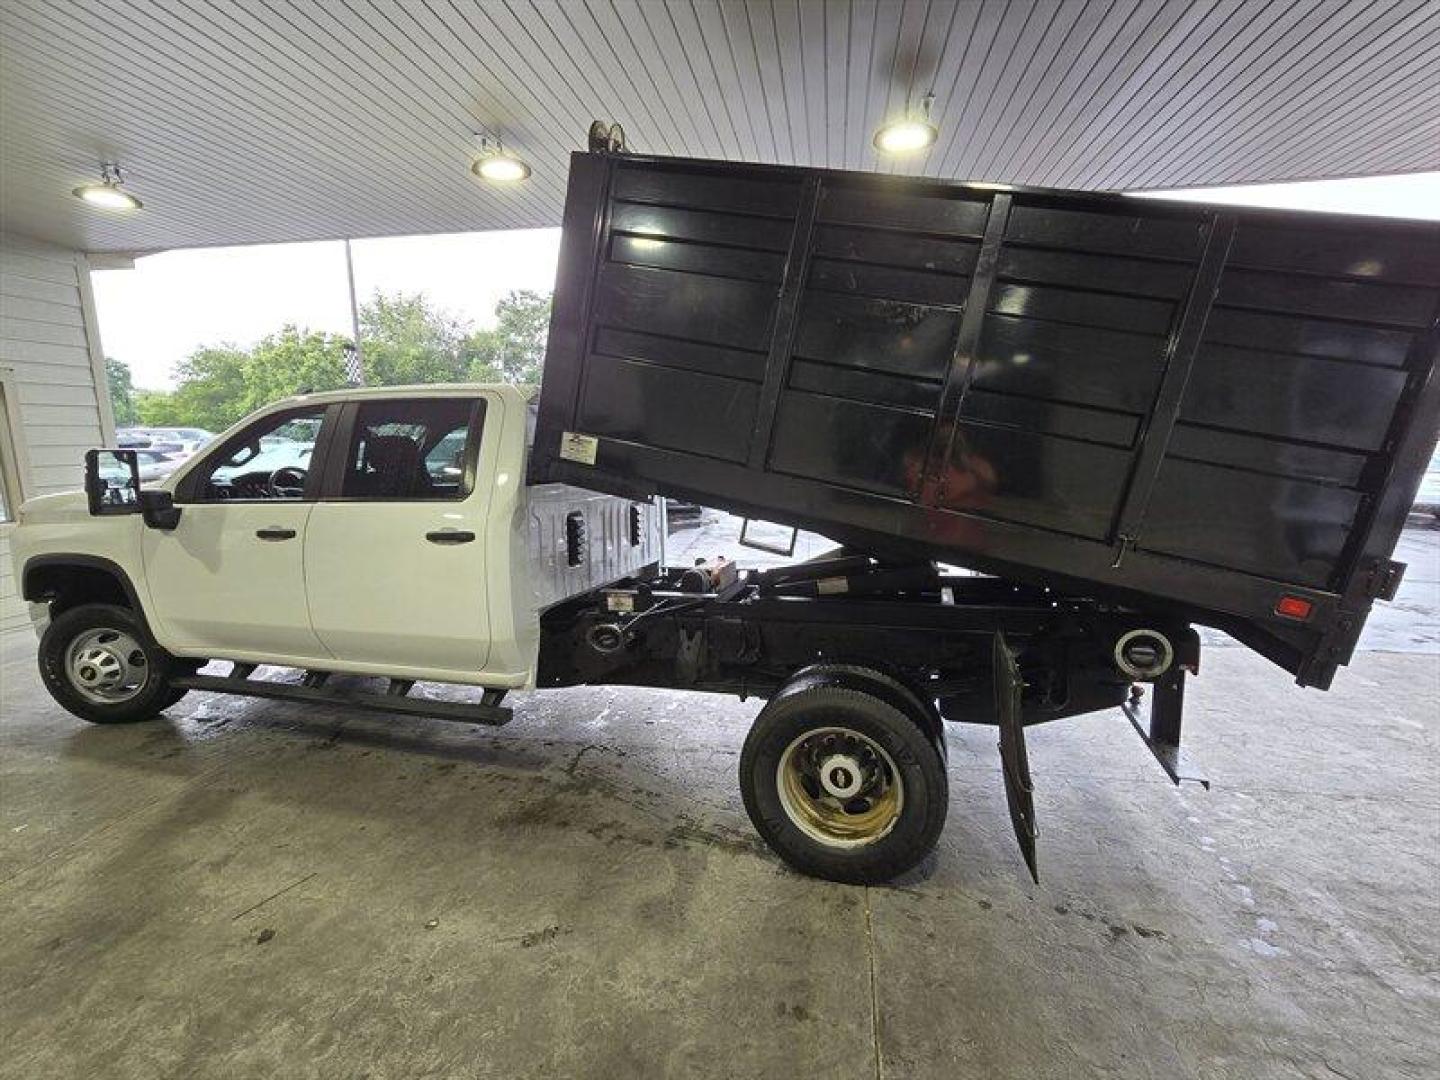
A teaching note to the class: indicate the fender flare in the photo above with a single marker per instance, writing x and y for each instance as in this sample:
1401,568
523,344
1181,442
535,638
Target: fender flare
30,589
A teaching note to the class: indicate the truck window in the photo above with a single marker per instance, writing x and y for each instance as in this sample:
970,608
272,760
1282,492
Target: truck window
270,459
412,449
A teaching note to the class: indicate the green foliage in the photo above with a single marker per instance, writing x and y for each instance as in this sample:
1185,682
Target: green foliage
403,340
514,351
209,391
122,392
290,362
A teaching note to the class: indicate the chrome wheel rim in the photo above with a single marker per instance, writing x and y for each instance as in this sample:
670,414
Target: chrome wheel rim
106,666
839,787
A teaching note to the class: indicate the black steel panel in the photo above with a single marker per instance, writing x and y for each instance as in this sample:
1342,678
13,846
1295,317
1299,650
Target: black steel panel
734,229
880,388
880,335
1174,407
1106,273
851,443
645,403
1226,517
1268,455
1296,397
1107,368
1050,418
888,282
773,194
885,247
679,353
1309,337
697,258
720,311
1083,308
1120,232
894,208
1055,484
1373,253
1392,305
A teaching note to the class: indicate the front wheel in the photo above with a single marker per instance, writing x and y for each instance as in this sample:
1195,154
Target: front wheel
99,663
843,785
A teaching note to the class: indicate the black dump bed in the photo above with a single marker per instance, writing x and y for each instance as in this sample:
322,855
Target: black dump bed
1222,413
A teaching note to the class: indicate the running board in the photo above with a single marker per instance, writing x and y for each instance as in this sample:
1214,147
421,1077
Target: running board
314,692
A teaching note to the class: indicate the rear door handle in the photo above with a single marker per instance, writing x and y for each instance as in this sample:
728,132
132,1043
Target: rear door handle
450,536
275,533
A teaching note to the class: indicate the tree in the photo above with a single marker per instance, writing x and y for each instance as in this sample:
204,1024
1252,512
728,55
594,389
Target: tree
122,392
404,340
210,389
290,362
514,350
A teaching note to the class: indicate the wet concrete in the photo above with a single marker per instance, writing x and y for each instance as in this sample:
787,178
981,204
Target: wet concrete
253,889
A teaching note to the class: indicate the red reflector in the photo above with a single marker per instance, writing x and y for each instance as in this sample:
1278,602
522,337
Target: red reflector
1293,607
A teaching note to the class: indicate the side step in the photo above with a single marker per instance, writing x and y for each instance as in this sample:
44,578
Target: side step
313,691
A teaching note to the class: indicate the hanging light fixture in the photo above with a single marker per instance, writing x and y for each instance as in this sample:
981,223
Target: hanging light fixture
108,193
911,133
497,165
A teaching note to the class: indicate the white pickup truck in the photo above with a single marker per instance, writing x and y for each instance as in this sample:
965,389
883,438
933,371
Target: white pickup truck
390,534
366,531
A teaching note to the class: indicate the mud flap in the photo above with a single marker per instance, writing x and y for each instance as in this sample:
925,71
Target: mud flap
1019,789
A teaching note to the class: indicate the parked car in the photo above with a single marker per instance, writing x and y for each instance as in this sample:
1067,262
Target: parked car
183,439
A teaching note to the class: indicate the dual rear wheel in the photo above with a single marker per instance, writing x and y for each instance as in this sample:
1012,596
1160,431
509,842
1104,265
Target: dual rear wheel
843,775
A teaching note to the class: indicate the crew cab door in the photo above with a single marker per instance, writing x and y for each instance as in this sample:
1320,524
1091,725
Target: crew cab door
395,548
228,580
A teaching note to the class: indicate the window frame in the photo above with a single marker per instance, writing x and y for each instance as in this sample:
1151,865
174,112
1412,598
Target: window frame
187,493
337,460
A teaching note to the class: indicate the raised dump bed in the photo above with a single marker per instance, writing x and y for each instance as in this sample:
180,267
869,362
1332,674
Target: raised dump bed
1214,412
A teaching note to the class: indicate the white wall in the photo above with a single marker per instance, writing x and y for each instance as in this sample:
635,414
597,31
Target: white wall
52,374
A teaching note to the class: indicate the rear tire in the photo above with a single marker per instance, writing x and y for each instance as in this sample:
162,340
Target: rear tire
99,663
843,785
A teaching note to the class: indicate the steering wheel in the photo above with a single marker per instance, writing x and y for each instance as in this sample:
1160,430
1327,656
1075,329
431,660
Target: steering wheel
288,482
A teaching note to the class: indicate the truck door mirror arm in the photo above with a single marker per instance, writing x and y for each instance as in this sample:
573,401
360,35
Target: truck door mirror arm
159,510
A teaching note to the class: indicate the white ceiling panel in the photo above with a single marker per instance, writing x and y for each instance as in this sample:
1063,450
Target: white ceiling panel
245,121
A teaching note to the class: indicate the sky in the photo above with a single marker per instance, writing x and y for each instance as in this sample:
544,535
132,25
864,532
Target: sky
153,316
170,304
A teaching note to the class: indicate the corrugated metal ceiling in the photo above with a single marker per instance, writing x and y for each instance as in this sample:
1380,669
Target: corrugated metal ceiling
265,120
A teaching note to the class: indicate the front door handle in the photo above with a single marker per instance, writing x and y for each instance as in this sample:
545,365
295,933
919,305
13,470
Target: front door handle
275,533
450,536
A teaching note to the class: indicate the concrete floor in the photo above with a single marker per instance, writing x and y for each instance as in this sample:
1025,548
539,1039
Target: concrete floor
253,889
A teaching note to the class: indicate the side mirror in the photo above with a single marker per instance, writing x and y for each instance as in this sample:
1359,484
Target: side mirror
112,486
112,481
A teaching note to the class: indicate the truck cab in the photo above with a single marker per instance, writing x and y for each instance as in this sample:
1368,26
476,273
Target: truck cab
383,531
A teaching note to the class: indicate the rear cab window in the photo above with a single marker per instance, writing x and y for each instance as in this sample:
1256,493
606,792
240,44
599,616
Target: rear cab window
412,449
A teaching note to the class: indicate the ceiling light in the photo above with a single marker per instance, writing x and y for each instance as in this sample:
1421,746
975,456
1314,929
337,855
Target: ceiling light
910,133
496,165
108,193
